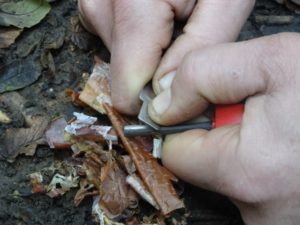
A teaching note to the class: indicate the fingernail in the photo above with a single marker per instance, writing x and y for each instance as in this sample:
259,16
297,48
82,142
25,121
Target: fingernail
166,81
162,102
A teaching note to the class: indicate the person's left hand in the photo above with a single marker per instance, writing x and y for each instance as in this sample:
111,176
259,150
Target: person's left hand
138,31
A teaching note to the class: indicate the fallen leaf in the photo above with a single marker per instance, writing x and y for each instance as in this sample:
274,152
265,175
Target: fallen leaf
24,140
17,141
100,216
86,189
97,88
19,74
137,184
115,194
55,134
8,36
92,166
26,13
117,199
157,179
126,162
55,38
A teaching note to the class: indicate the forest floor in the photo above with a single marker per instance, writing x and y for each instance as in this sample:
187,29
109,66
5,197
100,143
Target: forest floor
58,58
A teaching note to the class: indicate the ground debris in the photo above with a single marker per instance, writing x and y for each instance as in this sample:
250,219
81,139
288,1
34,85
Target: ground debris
97,88
80,37
23,140
273,20
55,134
119,172
115,194
60,184
8,36
19,74
100,215
155,177
85,127
74,97
4,118
137,184
36,180
60,178
291,4
117,199
86,189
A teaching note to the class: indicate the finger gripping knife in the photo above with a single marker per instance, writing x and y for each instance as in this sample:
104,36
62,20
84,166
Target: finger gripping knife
224,115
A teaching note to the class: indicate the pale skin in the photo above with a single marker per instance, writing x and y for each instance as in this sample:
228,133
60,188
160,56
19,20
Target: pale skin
256,164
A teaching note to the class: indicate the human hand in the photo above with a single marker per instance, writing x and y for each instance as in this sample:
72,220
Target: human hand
136,32
256,163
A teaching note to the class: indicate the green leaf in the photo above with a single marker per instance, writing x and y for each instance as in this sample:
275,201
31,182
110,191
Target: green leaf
26,13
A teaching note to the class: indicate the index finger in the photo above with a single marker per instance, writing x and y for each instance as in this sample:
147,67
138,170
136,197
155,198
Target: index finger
142,29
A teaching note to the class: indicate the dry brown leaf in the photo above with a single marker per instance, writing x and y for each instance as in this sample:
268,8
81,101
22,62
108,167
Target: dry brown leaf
8,36
115,193
74,97
97,89
24,140
92,166
157,179
116,197
126,163
86,189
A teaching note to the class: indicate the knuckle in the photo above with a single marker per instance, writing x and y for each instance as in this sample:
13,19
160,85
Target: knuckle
195,71
189,69
273,61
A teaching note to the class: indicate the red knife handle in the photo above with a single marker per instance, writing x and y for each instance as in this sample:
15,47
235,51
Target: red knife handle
228,115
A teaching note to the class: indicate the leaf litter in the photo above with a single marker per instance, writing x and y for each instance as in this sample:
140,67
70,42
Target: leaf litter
17,141
115,170
8,36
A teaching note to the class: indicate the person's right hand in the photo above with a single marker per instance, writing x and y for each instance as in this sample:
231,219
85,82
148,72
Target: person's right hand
137,31
255,163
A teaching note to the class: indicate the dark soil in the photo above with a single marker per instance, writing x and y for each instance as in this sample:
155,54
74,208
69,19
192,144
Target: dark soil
50,46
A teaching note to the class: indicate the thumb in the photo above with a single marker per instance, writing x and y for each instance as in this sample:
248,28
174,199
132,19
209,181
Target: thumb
205,28
206,159
222,74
